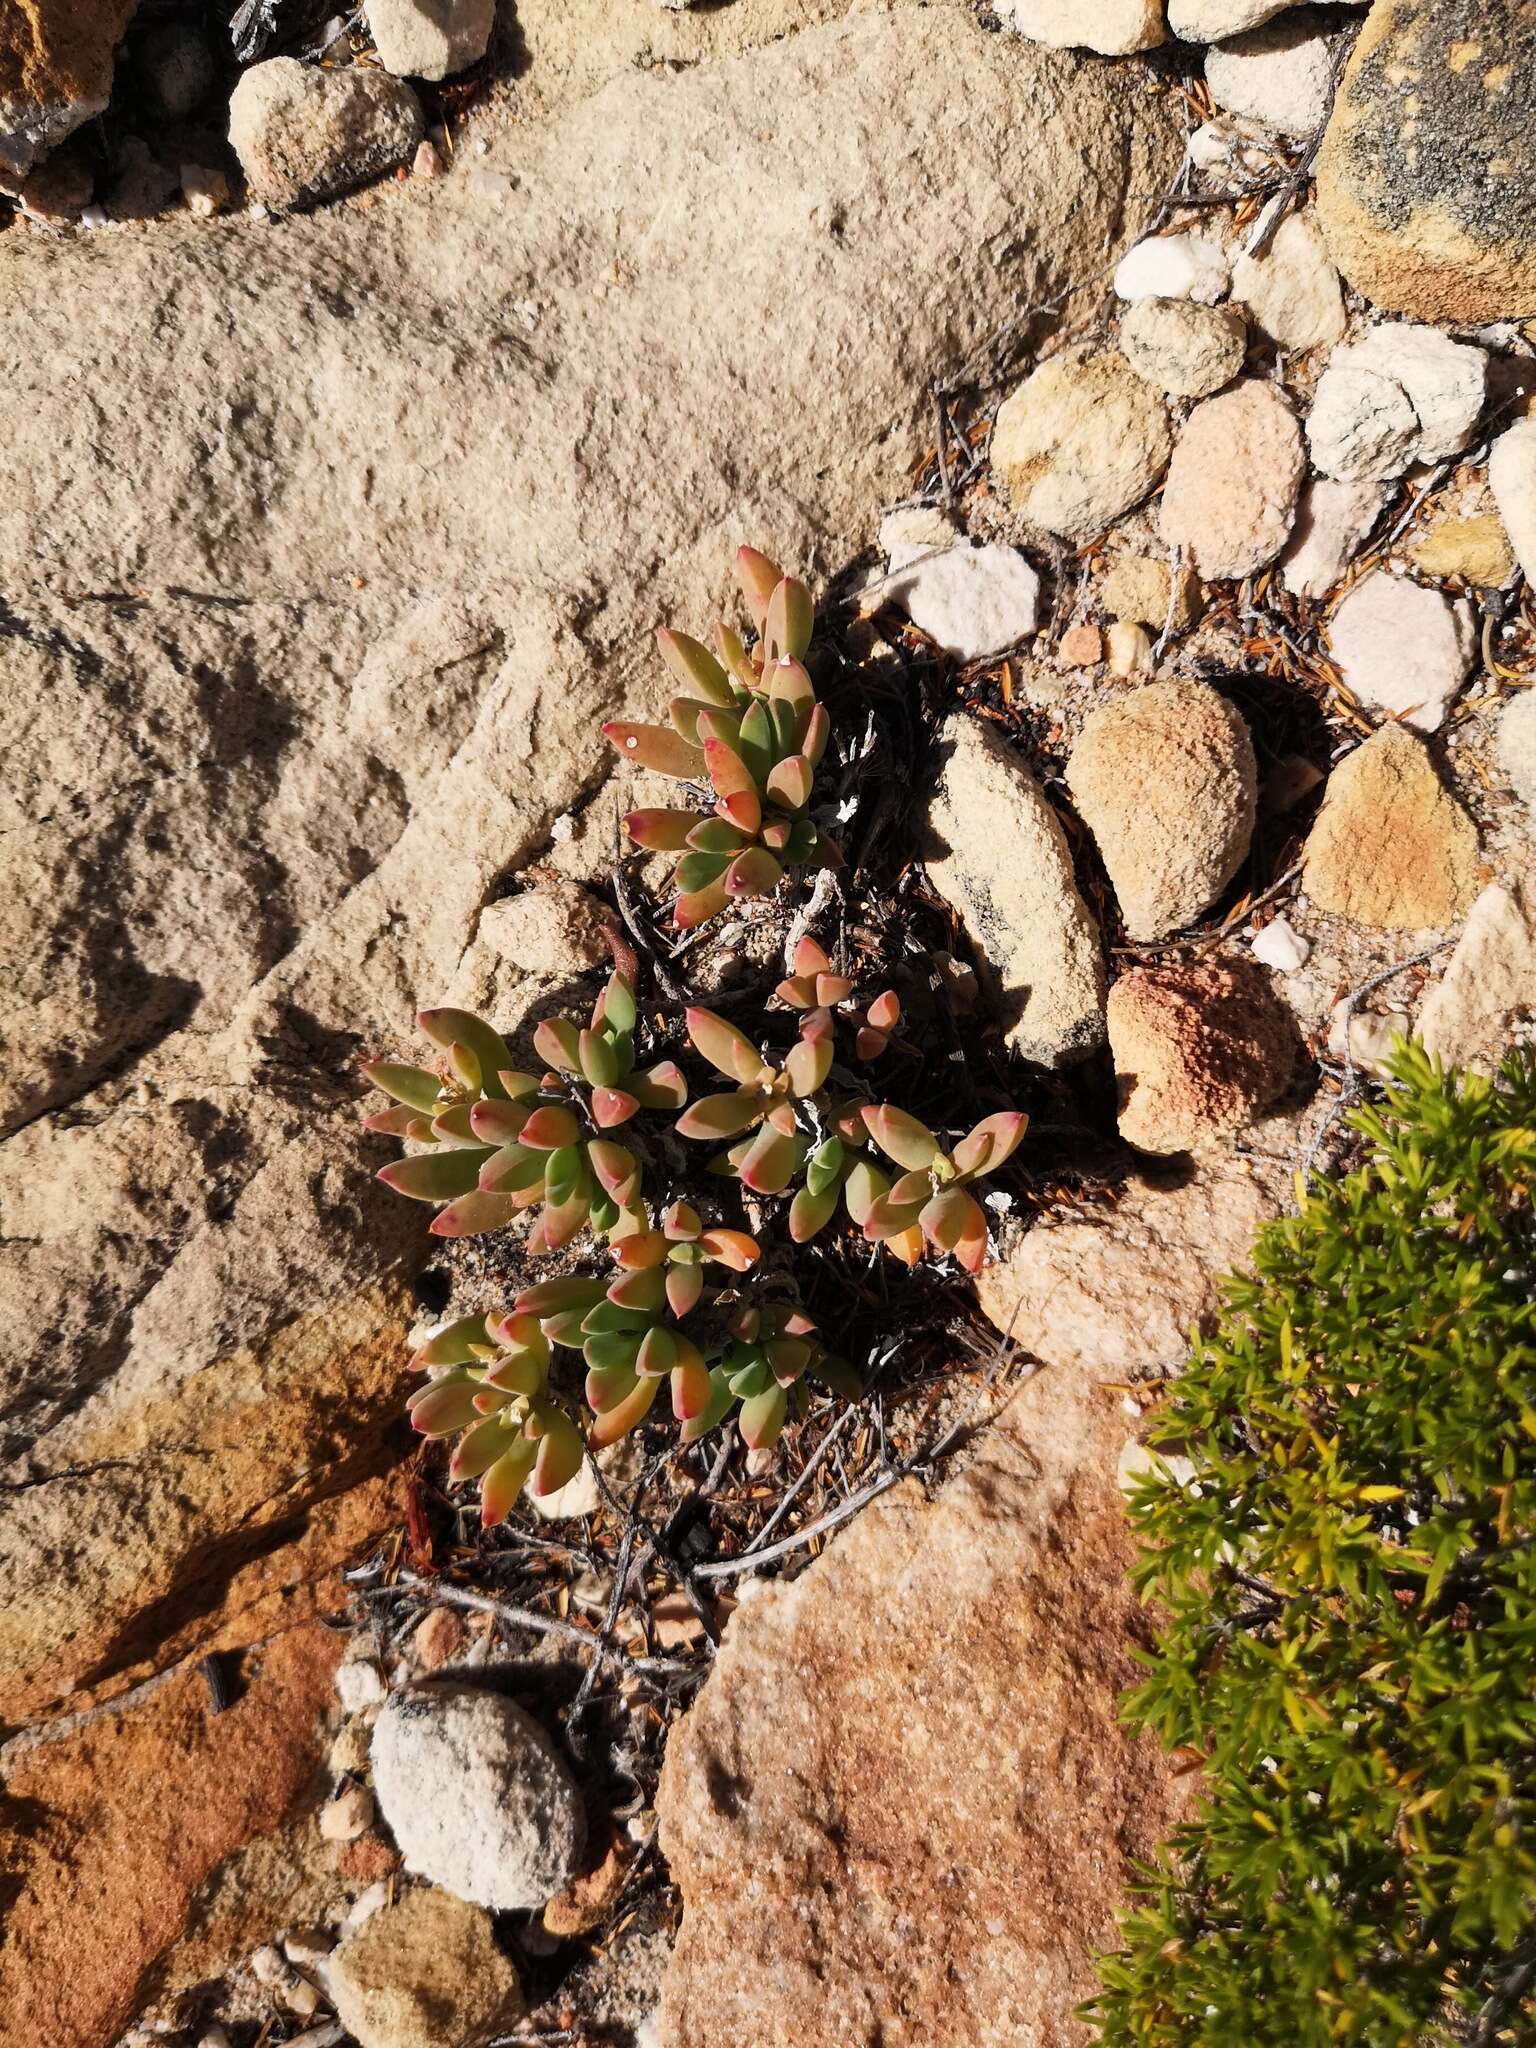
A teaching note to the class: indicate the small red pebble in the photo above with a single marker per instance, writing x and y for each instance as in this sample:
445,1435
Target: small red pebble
1081,646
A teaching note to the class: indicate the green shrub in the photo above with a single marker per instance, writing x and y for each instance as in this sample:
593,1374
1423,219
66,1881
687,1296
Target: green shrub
1349,1583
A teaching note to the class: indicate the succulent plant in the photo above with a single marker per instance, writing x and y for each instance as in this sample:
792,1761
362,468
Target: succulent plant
813,985
929,1200
491,1382
749,723
761,1105
498,1140
772,1348
628,1329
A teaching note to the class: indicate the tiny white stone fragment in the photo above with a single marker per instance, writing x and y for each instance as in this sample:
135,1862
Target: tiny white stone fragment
1280,946
1190,266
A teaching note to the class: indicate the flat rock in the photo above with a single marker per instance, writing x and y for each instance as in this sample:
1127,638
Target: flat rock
1230,498
1475,548
477,1796
308,794
1391,847
1426,182
1117,1291
1166,781
1189,266
1446,381
1362,427
997,853
971,601
1140,586
1485,1001
1517,744
426,1972
1081,440
880,1833
56,62
1292,290
1333,517
1114,28
1512,479
1200,1052
305,132
430,38
1185,349
1402,648
1280,74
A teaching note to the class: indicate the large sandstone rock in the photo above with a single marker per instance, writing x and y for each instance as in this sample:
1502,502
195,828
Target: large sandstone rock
56,59
1426,180
305,653
1391,846
997,853
1485,1002
1167,782
1199,1052
903,1807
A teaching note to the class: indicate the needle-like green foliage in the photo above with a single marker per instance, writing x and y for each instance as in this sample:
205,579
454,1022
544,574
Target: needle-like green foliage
747,723
1345,1551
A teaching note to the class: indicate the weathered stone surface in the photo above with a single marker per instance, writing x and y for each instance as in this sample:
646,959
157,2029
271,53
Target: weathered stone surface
1446,381
880,1832
1212,21
114,1826
477,1796
1230,499
1140,586
1114,28
305,132
1517,744
1082,440
972,602
1427,180
1401,648
1117,1291
1280,74
427,1972
1362,427
1512,479
306,793
1486,1000
1476,548
1185,349
1189,266
1199,1052
430,38
1166,781
1292,289
1332,518
1391,847
56,59
996,852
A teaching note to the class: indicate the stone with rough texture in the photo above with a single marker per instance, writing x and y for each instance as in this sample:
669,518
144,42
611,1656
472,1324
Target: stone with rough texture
1517,744
477,1797
1081,440
306,793
996,852
1200,1052
972,602
426,1972
1391,847
1486,999
1184,349
1362,427
1512,479
1230,499
1280,74
1426,183
1332,518
430,38
1292,289
1114,28
1402,648
1476,549
904,1807
303,132
1446,381
1117,1290
1166,781
1186,266
1140,586
1212,21
1281,946
56,61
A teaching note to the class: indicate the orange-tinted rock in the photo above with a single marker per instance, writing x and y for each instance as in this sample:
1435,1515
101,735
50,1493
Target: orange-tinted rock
56,59
1199,1052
